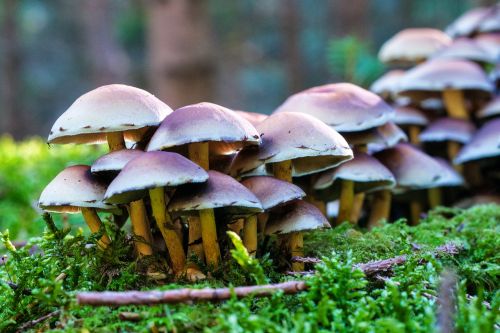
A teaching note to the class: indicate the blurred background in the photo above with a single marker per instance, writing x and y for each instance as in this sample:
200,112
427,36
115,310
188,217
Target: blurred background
245,54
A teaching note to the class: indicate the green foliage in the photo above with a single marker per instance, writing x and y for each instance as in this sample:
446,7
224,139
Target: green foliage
26,168
352,60
247,263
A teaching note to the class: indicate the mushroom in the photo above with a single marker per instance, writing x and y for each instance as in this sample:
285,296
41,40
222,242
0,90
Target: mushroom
492,109
75,190
454,79
271,193
203,129
467,49
252,117
386,86
110,164
484,144
155,172
412,119
479,19
219,192
412,46
299,217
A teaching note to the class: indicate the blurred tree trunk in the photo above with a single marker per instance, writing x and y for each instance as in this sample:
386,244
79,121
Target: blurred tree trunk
350,18
106,60
181,60
292,52
11,68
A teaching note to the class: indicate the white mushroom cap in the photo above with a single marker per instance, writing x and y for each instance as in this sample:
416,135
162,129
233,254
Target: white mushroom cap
152,170
383,136
491,22
220,191
468,23
387,85
491,43
253,117
414,169
273,192
343,106
72,189
448,129
114,161
204,122
409,46
441,74
299,216
406,115
467,49
367,173
311,145
484,144
492,109
111,108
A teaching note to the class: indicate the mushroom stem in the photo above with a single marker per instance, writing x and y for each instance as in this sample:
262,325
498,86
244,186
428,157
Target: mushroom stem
209,237
381,208
115,141
262,221
164,222
95,224
413,133
237,226
415,210
346,200
198,153
453,148
357,206
455,104
250,234
434,195
140,228
283,170
195,245
296,245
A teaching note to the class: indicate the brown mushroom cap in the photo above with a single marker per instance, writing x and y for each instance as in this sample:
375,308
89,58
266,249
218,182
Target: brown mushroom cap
440,74
273,192
407,115
204,122
492,109
414,169
299,216
484,144
309,143
343,106
468,23
386,86
367,173
114,161
220,191
152,170
253,118
448,129
410,46
467,49
111,108
72,189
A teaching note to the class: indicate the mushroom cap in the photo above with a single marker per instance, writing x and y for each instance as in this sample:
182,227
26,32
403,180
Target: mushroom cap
386,86
484,144
273,192
491,43
467,23
407,115
367,173
114,161
491,22
299,216
492,109
413,169
386,135
468,49
72,189
343,106
220,191
409,46
435,76
204,122
448,129
151,170
309,143
111,108
253,118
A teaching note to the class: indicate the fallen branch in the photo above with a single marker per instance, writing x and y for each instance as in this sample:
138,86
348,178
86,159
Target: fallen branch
34,322
208,294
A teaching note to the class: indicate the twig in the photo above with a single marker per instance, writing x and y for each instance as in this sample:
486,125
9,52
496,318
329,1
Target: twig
447,303
35,322
306,260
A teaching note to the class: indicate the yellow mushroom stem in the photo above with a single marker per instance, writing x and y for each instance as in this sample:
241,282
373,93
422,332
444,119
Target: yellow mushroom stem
116,141
296,246
415,210
455,104
167,229
140,228
95,224
357,207
434,195
199,154
381,208
195,246
283,170
346,200
413,133
250,234
237,226
453,148
262,222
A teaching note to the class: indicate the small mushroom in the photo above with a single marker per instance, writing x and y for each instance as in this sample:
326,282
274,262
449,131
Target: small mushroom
110,164
479,19
75,190
387,86
411,119
490,110
467,49
484,144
